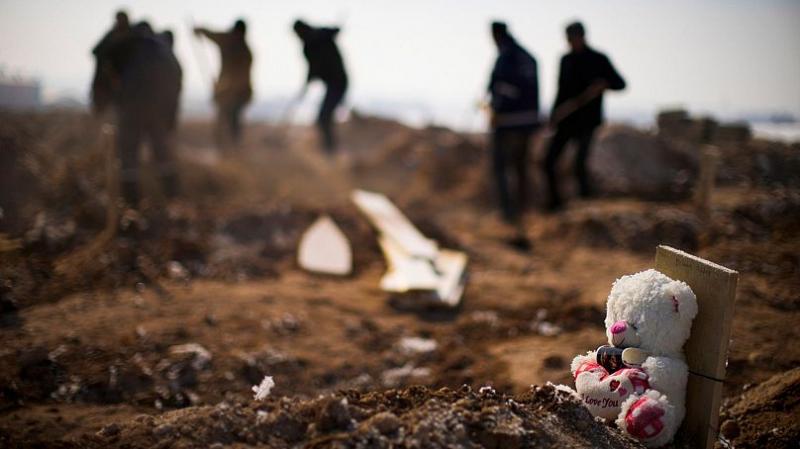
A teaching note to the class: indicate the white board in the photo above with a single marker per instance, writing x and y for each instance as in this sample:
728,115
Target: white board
385,216
452,265
415,262
405,273
325,249
443,275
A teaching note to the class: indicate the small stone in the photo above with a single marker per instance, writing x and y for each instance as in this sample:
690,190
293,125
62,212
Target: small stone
554,362
145,419
385,422
335,415
582,425
757,358
729,429
163,430
109,430
177,272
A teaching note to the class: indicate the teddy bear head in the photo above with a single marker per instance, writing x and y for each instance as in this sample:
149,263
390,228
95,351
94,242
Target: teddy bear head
648,310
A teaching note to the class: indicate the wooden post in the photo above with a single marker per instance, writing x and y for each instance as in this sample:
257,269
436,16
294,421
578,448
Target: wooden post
707,348
705,180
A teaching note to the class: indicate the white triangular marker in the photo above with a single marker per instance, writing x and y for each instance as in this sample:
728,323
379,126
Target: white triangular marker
325,249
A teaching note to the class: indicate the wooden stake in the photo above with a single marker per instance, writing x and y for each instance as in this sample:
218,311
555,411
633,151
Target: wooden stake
705,180
707,348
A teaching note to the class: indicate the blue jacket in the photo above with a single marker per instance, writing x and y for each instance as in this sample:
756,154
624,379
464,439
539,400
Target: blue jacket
514,87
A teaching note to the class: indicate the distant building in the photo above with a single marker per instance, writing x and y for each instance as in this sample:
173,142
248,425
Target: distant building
20,94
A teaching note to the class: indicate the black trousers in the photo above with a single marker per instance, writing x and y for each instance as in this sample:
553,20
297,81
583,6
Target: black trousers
510,169
229,119
134,129
334,94
583,138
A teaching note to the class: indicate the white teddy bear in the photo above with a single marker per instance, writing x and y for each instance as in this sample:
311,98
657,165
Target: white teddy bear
643,388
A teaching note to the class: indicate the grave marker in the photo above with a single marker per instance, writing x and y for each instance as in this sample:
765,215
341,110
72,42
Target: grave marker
325,249
707,348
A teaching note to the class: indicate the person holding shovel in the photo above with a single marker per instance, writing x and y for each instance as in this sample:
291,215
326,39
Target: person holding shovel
325,64
584,75
233,90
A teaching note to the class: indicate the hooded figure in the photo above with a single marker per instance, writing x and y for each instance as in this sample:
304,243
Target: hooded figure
325,64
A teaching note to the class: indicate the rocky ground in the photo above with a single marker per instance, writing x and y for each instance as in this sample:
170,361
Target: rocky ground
154,337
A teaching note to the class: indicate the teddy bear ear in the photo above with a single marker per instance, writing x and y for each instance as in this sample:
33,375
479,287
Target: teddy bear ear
683,300
676,304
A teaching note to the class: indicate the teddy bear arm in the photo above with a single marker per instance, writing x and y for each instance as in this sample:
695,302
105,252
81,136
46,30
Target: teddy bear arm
668,376
653,416
582,361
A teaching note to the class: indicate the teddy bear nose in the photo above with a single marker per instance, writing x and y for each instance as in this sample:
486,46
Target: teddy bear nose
619,327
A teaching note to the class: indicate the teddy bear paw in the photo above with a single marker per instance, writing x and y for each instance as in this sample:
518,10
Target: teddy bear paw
645,418
591,367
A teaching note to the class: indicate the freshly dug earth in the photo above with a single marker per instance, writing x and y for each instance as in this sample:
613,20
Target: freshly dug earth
766,415
415,417
191,302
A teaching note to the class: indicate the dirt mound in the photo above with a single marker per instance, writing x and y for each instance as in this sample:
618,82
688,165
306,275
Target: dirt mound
416,417
179,243
760,163
630,162
766,415
420,168
635,230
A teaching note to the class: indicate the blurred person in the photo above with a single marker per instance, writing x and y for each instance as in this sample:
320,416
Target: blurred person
514,91
143,28
325,64
233,90
138,77
168,37
584,75
121,27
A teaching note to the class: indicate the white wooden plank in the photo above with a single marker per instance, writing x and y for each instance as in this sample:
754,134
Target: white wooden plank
443,276
404,272
385,216
452,266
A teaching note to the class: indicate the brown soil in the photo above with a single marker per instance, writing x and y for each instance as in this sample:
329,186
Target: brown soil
766,415
416,417
96,348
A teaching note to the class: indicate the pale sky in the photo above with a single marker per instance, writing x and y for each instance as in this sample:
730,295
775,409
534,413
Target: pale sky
720,56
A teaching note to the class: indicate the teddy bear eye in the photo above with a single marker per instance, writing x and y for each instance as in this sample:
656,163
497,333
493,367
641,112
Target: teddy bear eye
634,326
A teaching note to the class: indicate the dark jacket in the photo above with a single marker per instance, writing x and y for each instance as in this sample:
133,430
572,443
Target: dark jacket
577,72
324,60
141,77
514,87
